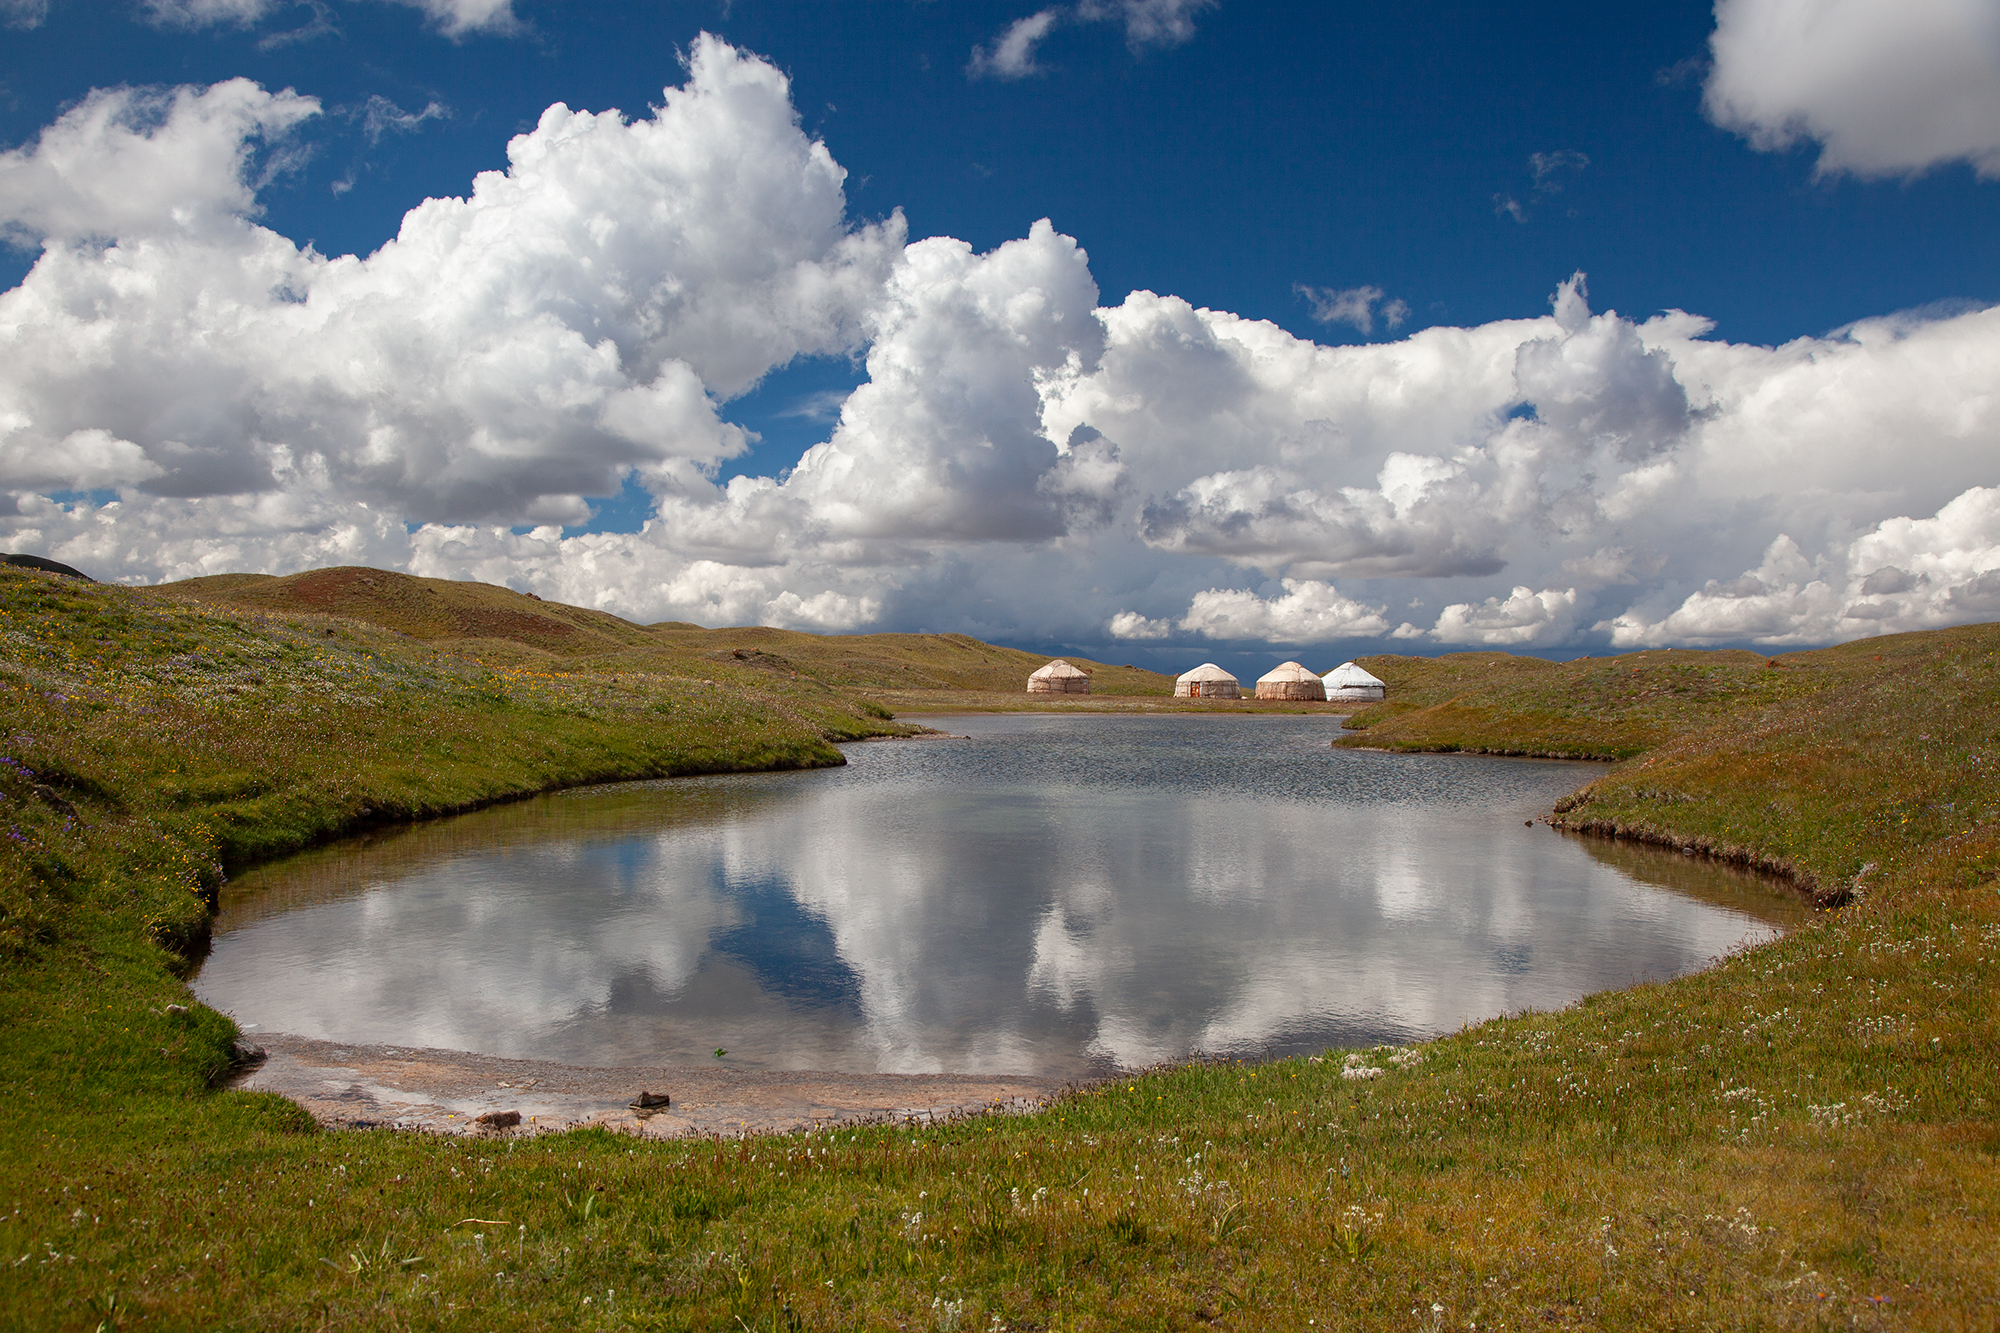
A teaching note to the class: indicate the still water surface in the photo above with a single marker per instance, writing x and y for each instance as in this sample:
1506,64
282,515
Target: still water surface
1057,895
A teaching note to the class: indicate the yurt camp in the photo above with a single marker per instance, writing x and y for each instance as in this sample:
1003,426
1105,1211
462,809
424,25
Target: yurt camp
1348,683
1059,677
1290,681
1207,681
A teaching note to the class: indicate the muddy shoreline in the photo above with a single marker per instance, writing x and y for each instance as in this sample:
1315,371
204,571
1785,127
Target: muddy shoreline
345,1085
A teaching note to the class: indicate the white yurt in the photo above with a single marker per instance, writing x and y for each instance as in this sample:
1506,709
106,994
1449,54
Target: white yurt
1348,683
1059,677
1290,681
1207,681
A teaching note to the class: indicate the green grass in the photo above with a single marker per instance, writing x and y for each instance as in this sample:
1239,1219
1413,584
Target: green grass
1876,760
498,626
1592,708
151,745
1803,1136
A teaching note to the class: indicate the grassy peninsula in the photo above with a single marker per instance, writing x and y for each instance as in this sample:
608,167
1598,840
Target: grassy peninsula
1804,1136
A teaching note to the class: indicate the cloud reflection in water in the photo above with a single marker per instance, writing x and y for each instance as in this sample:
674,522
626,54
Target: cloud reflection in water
1057,895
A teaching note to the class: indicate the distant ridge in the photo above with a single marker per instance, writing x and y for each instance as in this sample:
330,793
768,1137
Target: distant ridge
491,623
429,609
50,566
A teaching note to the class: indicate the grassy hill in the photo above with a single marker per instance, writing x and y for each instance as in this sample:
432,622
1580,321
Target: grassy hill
233,735
1806,1135
1813,752
464,615
499,625
1608,707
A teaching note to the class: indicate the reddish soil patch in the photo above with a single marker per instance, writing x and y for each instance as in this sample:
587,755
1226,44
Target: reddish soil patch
347,1086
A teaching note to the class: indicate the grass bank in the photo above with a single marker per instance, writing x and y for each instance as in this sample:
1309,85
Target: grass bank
1803,1136
153,744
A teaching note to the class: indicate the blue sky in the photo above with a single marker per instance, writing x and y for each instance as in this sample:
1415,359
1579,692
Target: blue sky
1400,168
1325,145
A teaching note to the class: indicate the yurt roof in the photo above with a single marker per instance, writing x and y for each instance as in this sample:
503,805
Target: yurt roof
1208,671
1055,669
1348,676
1285,671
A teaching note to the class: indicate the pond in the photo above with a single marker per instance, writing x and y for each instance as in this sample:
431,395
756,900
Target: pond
1057,895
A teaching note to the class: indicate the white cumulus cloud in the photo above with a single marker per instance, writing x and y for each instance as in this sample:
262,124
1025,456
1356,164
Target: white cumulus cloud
1885,90
184,391
1308,611
1524,618
1132,625
573,319
1597,383
946,436
129,163
1903,574
1786,599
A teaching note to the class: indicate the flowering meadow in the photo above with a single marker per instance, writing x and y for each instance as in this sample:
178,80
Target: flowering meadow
1802,1136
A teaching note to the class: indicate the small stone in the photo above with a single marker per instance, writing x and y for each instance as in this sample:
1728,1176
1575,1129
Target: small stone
650,1101
177,1011
247,1053
498,1119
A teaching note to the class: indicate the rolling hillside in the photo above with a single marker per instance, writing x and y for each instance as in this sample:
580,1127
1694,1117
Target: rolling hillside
1801,1136
459,616
493,624
1616,707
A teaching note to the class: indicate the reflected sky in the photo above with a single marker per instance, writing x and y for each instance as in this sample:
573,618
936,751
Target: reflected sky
1057,895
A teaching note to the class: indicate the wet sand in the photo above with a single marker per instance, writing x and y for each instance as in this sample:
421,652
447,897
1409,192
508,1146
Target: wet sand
350,1086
